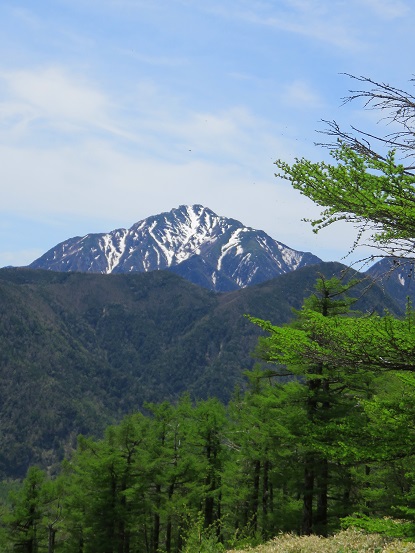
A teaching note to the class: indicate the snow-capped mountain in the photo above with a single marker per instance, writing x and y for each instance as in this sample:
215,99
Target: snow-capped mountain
212,251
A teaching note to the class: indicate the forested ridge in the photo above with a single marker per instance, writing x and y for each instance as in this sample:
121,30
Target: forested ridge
78,352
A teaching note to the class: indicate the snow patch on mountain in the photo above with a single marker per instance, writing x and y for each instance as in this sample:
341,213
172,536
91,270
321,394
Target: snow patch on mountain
113,250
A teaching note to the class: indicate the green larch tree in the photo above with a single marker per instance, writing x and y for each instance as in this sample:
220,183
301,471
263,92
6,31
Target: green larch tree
327,395
35,514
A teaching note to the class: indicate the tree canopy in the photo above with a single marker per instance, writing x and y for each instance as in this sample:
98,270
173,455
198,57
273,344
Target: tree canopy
378,196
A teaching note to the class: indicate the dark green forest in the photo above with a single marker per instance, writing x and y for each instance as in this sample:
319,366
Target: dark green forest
79,352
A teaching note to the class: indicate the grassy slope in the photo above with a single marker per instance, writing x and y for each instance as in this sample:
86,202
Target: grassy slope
349,541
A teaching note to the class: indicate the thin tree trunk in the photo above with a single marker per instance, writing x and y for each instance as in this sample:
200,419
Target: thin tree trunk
169,521
321,519
255,502
265,497
308,492
309,461
156,532
322,498
51,539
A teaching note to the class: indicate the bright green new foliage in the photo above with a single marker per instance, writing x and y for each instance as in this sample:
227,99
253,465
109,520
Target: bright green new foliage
377,195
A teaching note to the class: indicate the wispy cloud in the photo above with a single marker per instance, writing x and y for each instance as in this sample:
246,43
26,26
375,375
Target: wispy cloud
388,9
316,19
170,147
159,124
27,17
301,95
123,108
52,94
341,24
50,98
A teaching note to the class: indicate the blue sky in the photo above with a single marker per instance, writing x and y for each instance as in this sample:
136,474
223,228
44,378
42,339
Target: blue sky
115,110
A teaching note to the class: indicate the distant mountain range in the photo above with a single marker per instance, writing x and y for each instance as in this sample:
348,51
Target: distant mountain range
396,277
215,252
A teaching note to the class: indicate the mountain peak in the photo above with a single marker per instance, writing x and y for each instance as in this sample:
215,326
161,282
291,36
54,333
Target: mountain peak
232,254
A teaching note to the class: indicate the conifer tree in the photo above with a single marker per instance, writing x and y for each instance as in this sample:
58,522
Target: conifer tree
104,506
34,515
328,396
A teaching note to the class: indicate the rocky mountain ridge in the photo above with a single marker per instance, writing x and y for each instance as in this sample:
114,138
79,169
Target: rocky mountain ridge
215,252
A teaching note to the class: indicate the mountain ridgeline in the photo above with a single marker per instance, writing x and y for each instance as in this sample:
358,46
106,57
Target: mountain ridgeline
215,252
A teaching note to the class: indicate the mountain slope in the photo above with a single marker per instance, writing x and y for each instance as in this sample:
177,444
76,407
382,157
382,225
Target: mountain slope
215,252
396,277
78,351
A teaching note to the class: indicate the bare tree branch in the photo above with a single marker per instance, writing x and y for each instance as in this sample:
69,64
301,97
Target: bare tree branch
397,107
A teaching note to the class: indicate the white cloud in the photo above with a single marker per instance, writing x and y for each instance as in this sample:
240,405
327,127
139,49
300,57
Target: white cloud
52,100
173,154
54,95
150,122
